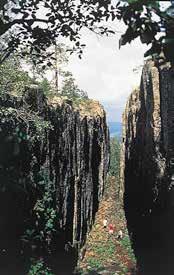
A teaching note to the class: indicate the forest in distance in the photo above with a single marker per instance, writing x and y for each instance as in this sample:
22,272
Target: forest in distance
115,129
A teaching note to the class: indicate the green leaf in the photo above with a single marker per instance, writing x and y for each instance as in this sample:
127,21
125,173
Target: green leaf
154,4
133,1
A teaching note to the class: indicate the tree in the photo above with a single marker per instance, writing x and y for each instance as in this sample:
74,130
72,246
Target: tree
138,16
33,25
70,88
46,87
13,78
114,157
60,58
39,71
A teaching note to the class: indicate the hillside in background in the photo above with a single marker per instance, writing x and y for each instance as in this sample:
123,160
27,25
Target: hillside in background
115,129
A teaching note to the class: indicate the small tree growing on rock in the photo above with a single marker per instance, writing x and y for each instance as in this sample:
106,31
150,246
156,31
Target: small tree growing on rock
70,88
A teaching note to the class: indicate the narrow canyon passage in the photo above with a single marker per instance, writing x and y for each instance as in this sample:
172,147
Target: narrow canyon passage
105,254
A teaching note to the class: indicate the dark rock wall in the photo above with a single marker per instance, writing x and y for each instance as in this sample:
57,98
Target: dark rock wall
147,169
71,148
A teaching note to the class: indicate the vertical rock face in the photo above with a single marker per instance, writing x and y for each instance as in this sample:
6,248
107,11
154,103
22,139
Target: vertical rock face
147,169
78,157
70,147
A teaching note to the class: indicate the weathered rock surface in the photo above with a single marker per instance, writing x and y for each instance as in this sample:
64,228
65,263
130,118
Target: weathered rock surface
68,144
147,169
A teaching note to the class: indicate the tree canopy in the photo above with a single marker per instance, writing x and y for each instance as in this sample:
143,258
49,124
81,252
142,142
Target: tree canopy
70,88
146,19
13,78
34,25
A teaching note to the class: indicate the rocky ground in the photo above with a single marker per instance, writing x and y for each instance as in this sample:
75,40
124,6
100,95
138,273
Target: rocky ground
104,253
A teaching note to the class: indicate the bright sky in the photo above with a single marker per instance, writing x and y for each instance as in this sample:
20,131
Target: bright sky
106,72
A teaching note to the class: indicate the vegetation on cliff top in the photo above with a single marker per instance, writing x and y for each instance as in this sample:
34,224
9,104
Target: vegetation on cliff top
14,80
25,127
20,29
25,131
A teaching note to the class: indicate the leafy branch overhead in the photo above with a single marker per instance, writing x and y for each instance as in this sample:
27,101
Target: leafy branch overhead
146,19
34,25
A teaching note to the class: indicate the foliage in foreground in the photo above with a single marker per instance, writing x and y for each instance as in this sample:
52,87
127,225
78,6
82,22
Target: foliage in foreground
39,268
23,27
33,26
145,19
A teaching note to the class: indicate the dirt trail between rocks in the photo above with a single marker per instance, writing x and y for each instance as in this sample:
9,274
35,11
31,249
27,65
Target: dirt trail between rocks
103,252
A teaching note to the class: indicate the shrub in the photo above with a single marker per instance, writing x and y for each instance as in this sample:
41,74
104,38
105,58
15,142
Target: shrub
38,267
